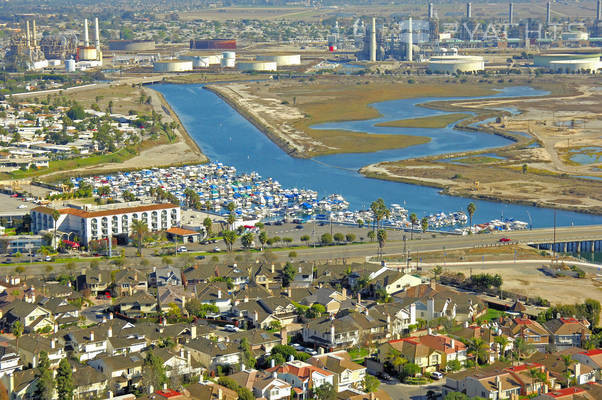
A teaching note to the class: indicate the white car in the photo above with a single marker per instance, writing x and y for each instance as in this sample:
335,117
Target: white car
182,249
436,375
231,328
297,346
22,206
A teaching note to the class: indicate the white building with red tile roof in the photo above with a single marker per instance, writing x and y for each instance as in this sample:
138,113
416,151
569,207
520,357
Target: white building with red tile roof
99,222
303,377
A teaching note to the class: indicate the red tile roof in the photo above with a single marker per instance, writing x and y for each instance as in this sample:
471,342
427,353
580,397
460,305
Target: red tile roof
570,391
181,231
592,352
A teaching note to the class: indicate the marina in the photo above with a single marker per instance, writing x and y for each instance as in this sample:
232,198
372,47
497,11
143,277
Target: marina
225,135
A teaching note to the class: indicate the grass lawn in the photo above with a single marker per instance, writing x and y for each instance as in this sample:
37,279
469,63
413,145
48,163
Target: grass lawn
437,121
491,314
358,355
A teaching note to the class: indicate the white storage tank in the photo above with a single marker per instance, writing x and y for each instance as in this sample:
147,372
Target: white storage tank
197,61
228,62
576,65
172,66
282,60
229,55
257,66
453,64
215,59
70,65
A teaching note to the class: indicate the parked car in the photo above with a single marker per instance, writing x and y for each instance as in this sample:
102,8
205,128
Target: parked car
182,249
436,375
47,258
216,250
297,346
385,377
505,239
299,227
231,328
200,257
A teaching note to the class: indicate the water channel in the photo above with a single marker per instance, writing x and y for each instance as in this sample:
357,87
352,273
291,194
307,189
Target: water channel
225,136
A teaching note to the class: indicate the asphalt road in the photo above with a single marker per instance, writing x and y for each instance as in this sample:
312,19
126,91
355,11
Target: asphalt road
400,391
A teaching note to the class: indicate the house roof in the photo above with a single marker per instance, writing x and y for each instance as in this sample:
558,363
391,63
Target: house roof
566,326
211,392
212,348
181,231
338,362
300,369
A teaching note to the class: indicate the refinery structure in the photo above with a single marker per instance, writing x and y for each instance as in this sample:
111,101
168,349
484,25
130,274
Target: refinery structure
28,52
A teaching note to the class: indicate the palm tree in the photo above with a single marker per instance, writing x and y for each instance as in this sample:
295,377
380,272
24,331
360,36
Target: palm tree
55,216
437,271
229,239
413,220
139,230
207,223
521,347
380,211
471,210
479,348
231,219
424,224
381,236
17,329
568,361
502,342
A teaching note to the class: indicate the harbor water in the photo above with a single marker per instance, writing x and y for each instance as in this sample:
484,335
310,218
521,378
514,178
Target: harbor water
225,136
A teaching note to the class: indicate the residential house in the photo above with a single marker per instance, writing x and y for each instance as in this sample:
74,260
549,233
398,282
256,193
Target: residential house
216,293
266,277
348,375
138,304
122,371
165,276
392,281
30,347
414,351
10,360
434,301
304,275
87,343
331,299
88,382
263,384
401,317
32,316
260,341
303,377
279,310
21,385
63,312
128,281
178,363
529,330
556,367
569,393
210,354
97,282
568,332
196,275
592,358
211,391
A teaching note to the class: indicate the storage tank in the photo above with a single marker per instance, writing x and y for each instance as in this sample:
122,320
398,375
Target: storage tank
215,59
172,66
577,65
132,45
452,64
282,60
213,44
228,63
257,66
229,55
70,65
545,60
197,61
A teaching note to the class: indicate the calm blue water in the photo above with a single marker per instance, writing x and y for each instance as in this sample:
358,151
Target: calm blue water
225,136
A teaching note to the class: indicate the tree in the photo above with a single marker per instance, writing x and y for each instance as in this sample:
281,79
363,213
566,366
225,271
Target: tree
424,224
414,221
381,237
350,237
139,231
55,216
502,342
247,356
410,369
521,348
371,235
567,359
437,271
471,208
339,237
456,396
305,238
231,219
324,392
17,330
326,238
379,210
247,240
229,239
478,348
263,238
288,274
371,384
64,380
45,385
315,311
454,365
154,370
207,223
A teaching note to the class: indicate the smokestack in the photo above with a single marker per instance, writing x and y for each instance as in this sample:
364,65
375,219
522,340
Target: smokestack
373,40
511,14
431,11
410,40
86,38
599,11
548,13
469,10
27,35
34,40
96,34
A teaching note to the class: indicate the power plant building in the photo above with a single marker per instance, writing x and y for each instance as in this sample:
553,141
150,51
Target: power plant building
213,44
